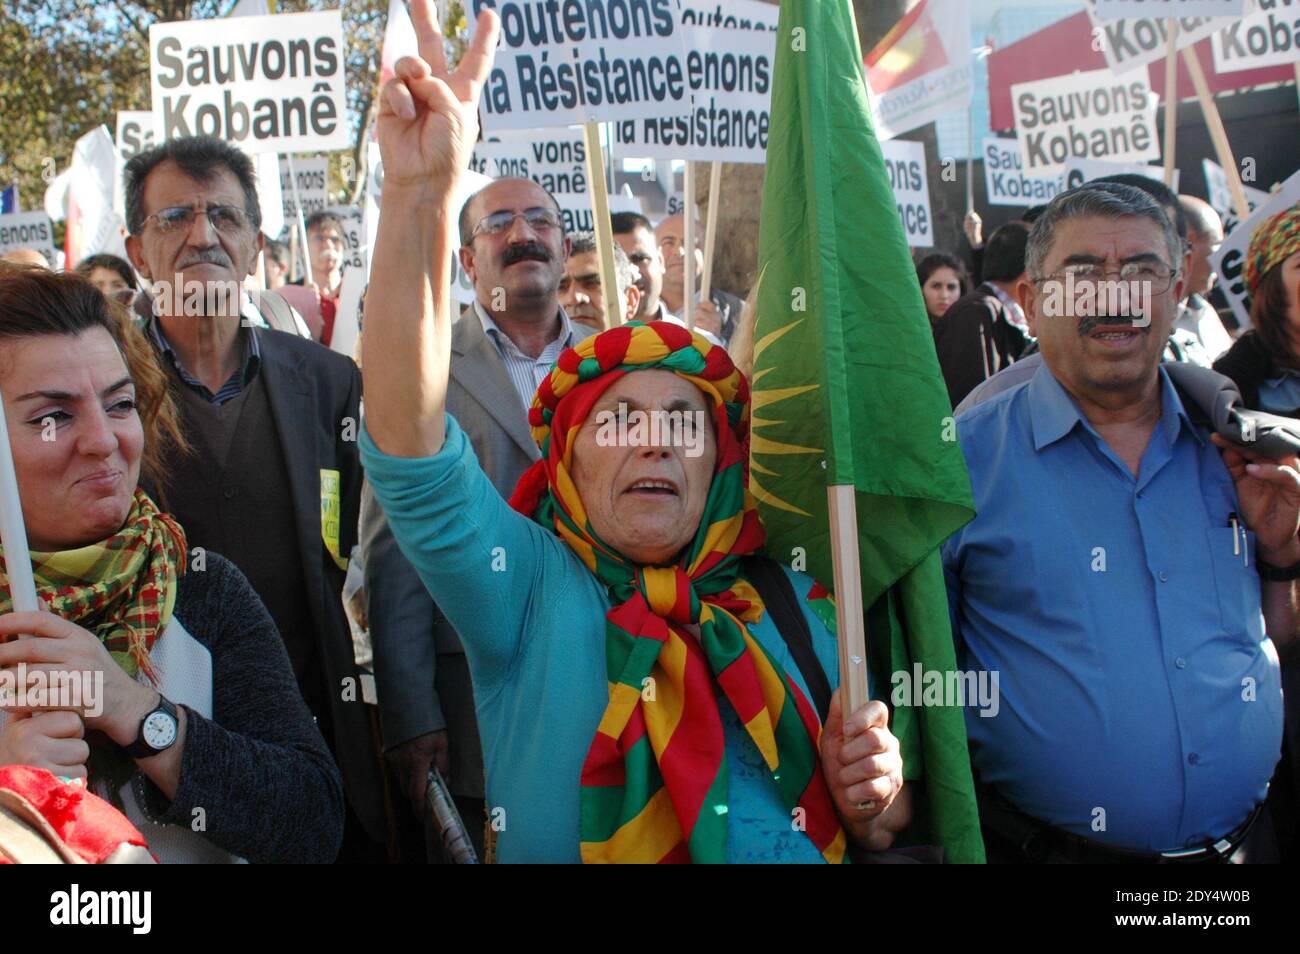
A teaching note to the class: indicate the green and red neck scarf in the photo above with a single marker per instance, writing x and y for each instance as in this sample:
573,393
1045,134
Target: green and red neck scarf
122,589
654,783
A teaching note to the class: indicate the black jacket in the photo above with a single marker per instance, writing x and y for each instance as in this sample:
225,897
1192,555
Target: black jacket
1249,363
974,340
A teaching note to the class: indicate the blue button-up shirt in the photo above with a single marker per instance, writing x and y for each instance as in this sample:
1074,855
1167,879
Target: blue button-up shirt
1140,701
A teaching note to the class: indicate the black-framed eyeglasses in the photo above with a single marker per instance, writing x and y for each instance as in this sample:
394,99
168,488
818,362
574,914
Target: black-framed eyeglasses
537,218
1157,277
226,219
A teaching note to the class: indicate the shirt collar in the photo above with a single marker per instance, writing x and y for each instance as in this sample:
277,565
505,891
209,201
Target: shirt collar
490,328
252,347
1053,413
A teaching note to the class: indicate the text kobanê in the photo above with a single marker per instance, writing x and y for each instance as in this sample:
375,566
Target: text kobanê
545,84
1128,132
252,62
539,23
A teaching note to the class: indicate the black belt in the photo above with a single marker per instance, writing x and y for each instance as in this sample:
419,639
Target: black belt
1039,842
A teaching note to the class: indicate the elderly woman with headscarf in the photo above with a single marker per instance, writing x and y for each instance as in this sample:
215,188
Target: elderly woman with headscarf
635,700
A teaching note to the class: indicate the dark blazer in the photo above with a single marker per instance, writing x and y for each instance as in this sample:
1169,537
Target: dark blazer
420,669
315,397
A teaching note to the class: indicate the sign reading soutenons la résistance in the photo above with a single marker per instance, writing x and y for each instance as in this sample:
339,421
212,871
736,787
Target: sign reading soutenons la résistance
557,65
270,84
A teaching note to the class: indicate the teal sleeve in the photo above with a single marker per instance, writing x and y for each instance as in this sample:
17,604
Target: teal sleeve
482,562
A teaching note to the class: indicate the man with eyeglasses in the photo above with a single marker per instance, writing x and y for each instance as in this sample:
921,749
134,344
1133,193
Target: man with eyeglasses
1198,317
326,247
271,418
1127,574
515,250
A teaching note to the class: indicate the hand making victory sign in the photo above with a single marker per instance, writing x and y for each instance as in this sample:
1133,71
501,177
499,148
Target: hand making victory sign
427,126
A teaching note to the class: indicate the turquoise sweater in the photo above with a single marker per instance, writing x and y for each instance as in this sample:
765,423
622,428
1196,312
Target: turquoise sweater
532,619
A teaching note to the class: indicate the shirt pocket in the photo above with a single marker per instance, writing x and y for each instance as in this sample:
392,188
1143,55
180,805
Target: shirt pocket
1236,580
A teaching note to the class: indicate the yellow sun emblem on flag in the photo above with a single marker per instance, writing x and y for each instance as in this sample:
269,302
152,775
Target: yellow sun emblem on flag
759,444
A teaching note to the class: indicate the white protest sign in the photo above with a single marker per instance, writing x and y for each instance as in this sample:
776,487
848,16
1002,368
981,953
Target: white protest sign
577,213
271,84
1120,9
1091,115
27,230
312,177
1219,194
1138,41
905,162
556,159
347,312
600,60
1005,182
136,132
1079,171
1230,260
1268,37
354,235
731,14
730,76
922,69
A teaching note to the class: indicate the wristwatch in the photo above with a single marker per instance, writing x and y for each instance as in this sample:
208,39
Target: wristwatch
157,731
1277,574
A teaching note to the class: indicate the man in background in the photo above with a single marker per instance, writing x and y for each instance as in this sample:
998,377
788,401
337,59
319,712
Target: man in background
580,287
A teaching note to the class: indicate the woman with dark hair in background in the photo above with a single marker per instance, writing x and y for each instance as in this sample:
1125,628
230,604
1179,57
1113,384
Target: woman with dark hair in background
197,725
943,280
112,275
1265,361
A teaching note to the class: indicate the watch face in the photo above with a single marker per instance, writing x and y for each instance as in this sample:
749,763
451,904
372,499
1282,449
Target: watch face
159,730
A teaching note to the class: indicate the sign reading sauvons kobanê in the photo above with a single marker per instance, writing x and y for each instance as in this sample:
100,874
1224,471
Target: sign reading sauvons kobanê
271,84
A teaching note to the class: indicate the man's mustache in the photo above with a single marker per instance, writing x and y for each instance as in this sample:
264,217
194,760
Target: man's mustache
525,250
584,311
1087,324
206,256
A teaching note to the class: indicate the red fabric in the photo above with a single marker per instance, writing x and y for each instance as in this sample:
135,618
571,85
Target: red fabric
84,822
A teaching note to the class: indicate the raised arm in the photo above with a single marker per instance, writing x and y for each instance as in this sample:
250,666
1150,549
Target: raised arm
427,126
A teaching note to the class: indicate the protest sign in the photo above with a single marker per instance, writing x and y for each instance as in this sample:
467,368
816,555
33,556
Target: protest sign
730,15
27,230
576,212
905,163
1219,195
1079,171
1230,260
354,235
1121,9
1092,115
921,69
553,158
729,73
90,198
1005,182
312,177
271,84
1268,37
601,60
136,132
1142,40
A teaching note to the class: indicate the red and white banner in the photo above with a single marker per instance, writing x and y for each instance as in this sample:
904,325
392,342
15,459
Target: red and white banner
921,69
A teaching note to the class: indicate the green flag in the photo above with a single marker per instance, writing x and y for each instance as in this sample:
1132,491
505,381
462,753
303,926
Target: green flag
847,390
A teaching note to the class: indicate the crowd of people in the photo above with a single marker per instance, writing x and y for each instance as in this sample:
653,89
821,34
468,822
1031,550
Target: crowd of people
584,638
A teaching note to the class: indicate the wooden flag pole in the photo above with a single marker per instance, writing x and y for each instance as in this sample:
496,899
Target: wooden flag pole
688,254
711,229
848,597
1217,134
1171,99
18,563
604,230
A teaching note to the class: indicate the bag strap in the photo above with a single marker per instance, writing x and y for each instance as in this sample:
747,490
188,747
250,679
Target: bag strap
777,592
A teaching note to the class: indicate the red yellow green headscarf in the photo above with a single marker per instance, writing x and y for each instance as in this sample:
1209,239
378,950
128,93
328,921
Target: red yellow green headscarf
1276,240
654,784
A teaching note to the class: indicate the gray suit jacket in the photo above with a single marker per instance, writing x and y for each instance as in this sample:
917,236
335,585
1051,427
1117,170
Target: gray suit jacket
423,682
